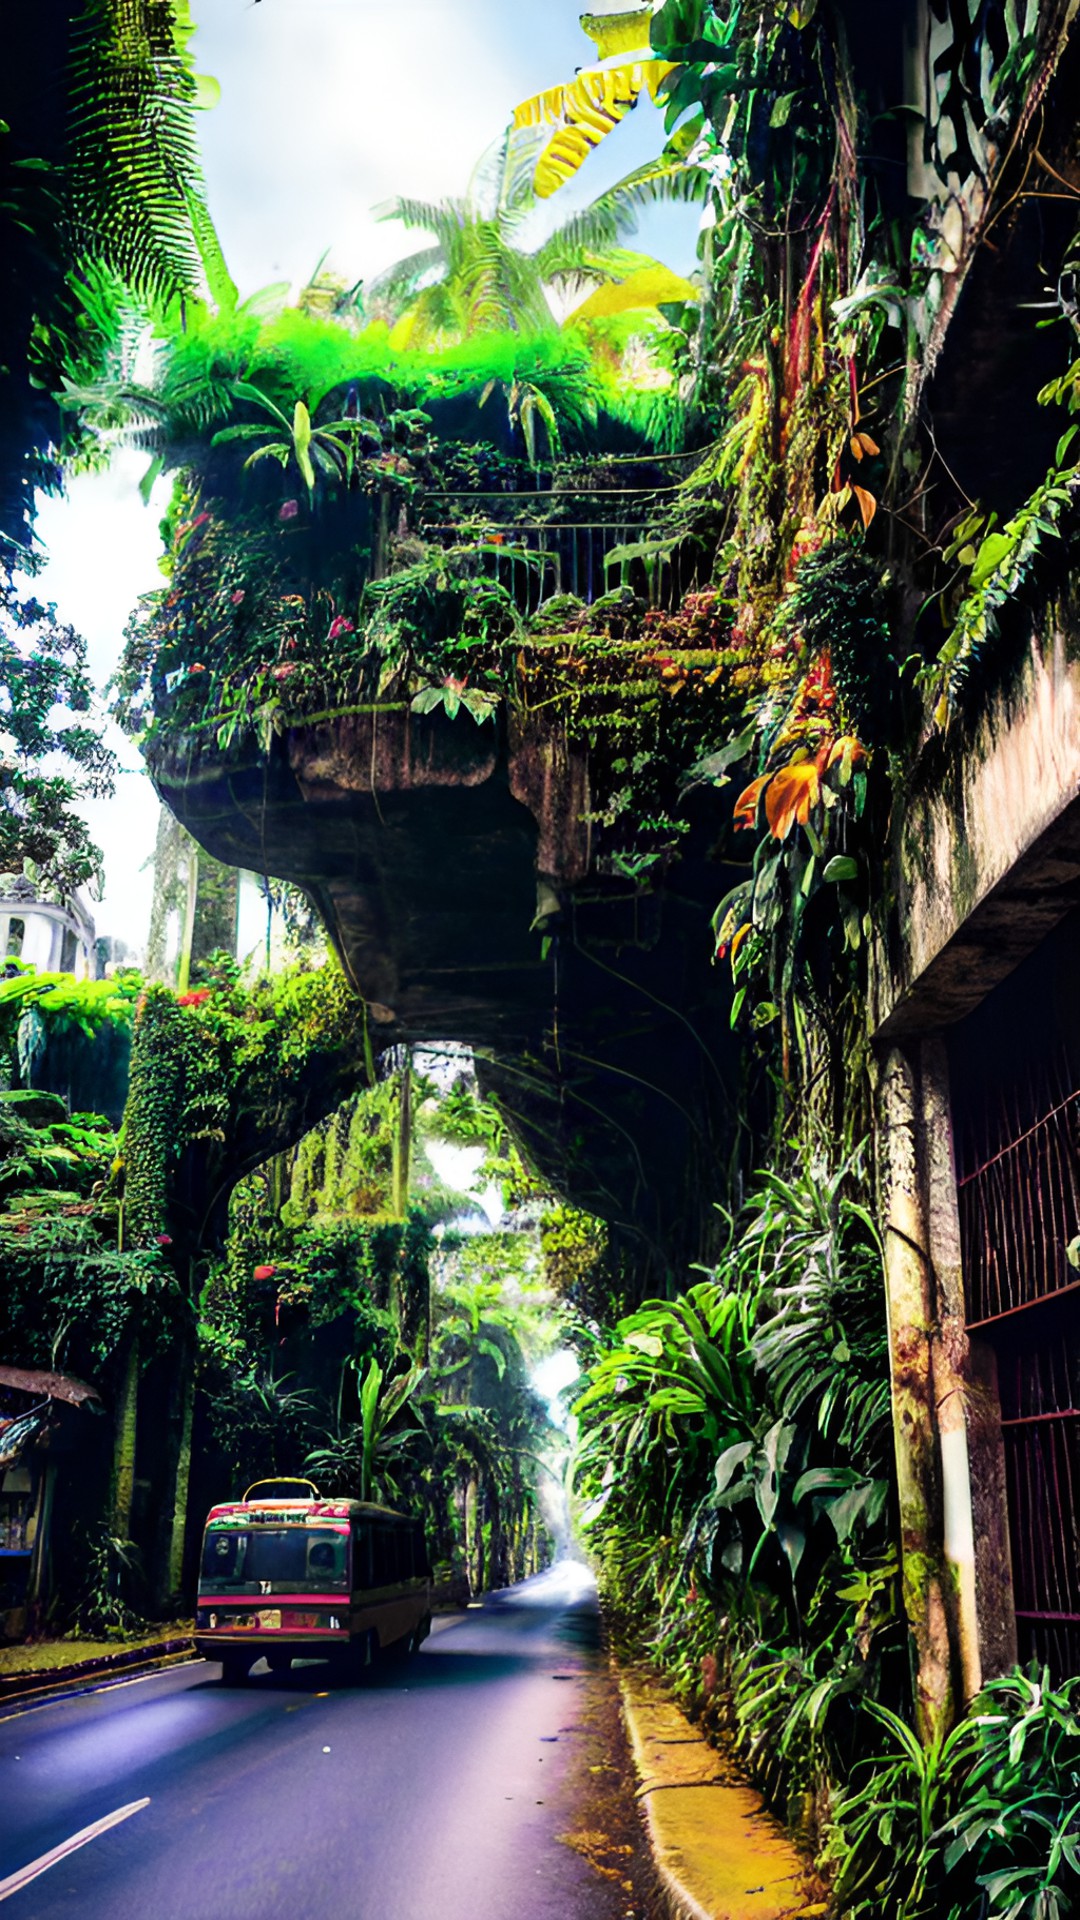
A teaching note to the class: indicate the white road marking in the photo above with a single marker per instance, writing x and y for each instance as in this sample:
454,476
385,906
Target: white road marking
16,1881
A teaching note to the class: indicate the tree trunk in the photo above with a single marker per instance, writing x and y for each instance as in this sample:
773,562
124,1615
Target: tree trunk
403,1140
183,971
473,1543
181,1482
127,1412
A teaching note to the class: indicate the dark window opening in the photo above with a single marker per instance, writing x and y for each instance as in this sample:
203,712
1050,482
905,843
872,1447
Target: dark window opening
1015,1088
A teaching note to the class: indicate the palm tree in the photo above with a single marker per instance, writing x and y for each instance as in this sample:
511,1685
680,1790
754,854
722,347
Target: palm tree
478,277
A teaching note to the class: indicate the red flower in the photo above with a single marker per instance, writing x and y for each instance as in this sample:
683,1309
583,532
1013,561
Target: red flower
288,510
290,644
338,626
195,998
197,667
264,1273
238,596
164,1239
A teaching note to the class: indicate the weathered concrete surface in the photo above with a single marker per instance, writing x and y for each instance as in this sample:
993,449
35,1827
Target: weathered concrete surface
407,837
453,867
720,1854
986,849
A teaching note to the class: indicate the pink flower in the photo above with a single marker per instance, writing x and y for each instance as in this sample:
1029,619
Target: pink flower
288,510
164,1239
338,626
283,671
237,598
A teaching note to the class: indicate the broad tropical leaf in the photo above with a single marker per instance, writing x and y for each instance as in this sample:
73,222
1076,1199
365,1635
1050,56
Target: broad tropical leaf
648,287
618,33
583,111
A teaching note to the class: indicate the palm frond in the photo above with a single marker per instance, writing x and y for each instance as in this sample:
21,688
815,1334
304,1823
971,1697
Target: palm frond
446,219
659,182
436,318
388,290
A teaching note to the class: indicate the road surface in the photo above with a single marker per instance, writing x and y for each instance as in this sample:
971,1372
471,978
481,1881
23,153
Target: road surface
458,1787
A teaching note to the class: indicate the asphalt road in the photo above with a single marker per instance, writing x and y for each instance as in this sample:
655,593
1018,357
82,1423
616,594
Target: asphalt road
436,1791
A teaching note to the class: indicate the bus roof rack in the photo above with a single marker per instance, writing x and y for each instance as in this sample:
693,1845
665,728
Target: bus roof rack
283,1481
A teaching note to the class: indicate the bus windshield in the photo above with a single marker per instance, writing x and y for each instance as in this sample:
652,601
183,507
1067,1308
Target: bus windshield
302,1559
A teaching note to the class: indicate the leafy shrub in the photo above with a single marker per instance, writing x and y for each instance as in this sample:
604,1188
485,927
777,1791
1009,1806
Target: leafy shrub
981,1824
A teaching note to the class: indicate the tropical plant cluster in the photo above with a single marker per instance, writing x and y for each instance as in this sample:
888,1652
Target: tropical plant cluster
306,1312
733,1465
734,1474
835,519
425,1399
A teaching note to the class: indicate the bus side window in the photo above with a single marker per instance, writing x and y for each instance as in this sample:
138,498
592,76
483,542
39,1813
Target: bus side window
361,1575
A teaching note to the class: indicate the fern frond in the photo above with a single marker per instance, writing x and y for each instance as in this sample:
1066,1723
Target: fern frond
135,189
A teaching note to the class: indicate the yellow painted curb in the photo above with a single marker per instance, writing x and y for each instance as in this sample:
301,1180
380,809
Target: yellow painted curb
720,1854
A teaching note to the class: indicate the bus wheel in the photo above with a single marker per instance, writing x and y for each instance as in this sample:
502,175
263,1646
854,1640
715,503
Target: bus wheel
357,1662
234,1670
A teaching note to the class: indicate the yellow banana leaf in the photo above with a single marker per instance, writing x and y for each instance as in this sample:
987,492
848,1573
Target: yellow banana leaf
613,33
648,287
583,111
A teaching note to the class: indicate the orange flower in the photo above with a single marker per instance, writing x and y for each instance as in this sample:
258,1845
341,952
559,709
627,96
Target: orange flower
848,744
746,805
791,793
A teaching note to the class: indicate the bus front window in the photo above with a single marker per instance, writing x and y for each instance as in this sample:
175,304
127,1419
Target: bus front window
302,1559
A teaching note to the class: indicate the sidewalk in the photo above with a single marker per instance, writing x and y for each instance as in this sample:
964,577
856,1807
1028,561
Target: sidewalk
719,1853
46,1667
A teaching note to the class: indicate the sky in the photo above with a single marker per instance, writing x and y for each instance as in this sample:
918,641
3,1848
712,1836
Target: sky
328,108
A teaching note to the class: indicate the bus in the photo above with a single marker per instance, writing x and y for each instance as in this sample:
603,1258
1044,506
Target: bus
292,1577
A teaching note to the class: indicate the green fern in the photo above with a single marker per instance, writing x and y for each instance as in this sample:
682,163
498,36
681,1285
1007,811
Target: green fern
135,191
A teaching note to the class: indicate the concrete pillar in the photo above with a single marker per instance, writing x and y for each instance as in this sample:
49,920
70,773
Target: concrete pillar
950,1356
926,1580
946,1413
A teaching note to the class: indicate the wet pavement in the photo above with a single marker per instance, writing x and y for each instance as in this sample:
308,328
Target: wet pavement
485,1780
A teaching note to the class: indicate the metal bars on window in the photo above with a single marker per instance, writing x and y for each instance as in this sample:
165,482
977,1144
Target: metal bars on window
1019,1214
